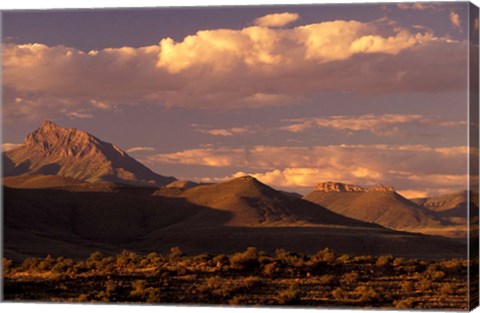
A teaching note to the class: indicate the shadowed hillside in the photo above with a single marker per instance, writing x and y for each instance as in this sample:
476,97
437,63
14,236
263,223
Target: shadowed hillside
73,224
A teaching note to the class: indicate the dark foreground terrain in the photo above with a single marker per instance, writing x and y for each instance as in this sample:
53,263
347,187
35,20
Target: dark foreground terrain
250,277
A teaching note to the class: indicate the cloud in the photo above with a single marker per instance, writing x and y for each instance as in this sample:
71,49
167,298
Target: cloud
276,20
226,132
455,20
276,67
416,6
79,115
416,167
140,149
10,146
386,125
411,194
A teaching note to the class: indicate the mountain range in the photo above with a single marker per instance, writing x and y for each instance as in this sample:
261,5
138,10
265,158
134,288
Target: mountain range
69,193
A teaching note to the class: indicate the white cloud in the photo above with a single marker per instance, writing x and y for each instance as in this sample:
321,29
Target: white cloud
276,67
79,115
276,20
455,20
9,146
386,125
140,149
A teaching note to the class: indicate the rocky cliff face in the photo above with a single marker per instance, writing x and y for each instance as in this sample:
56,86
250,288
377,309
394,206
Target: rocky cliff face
341,187
53,150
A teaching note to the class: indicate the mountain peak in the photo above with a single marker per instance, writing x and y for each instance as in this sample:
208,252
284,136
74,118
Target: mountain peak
342,187
338,187
48,125
70,152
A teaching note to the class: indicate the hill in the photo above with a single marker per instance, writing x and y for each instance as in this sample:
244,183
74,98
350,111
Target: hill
73,154
380,204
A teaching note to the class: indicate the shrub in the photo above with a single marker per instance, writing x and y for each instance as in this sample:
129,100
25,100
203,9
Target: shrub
447,289
45,264
289,258
326,255
30,264
363,259
138,289
289,296
245,260
82,297
438,275
270,269
397,262
344,258
350,278
219,287
407,286
251,282
384,261
110,287
175,253
327,279
7,264
126,260
338,294
95,256
404,303
154,295
366,294
424,285
60,267
453,264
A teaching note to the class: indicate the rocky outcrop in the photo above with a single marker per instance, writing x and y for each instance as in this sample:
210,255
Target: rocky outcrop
341,187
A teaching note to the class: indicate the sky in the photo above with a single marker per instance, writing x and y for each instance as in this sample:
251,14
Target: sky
293,95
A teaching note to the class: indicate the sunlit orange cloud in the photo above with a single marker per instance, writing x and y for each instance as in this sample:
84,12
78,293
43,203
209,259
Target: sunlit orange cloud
414,167
277,66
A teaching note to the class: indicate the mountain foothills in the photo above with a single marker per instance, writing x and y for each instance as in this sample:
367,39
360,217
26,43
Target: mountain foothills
69,193
384,206
74,154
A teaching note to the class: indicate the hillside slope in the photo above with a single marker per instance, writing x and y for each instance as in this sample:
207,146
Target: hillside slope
381,205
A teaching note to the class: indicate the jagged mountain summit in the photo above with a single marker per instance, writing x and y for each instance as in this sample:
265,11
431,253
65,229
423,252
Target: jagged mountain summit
341,187
379,204
69,152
